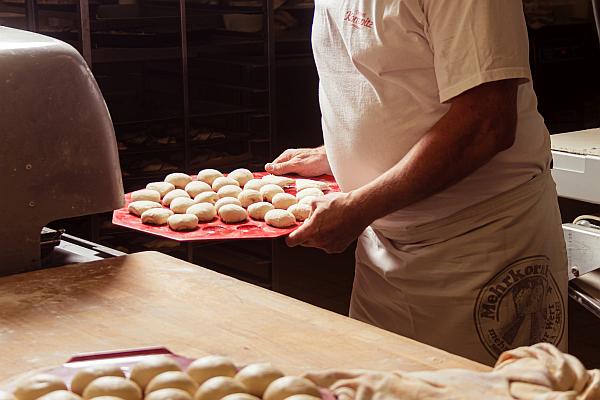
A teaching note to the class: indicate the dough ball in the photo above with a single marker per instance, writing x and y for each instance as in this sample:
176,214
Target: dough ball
283,200
278,180
257,377
113,386
240,396
308,200
60,395
219,387
249,196
258,210
280,218
168,394
205,212
180,205
87,375
209,175
107,398
302,184
223,181
255,184
183,222
242,175
38,385
146,194
178,179
143,372
309,192
207,197
300,211
173,380
270,190
232,214
173,194
287,386
6,396
138,207
229,191
303,397
194,188
161,187
208,367
156,216
227,200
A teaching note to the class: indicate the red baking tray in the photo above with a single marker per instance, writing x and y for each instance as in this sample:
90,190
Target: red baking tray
125,359
216,230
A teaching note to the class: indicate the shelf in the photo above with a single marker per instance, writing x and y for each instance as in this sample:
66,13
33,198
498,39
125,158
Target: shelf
208,109
150,150
230,86
117,54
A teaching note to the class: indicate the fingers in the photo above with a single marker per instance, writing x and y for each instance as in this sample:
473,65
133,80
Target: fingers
285,156
299,236
286,167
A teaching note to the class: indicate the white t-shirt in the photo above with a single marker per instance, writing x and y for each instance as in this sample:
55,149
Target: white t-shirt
387,70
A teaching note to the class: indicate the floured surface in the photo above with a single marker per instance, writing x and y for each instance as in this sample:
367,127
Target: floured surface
580,142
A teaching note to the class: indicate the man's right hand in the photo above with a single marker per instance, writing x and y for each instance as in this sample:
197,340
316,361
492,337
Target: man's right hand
304,162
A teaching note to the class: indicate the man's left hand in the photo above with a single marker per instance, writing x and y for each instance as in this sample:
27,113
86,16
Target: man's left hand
336,221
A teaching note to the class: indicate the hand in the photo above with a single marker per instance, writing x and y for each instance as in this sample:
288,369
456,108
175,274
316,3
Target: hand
336,221
304,162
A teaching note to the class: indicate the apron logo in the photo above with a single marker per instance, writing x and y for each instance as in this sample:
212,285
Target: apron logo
358,20
520,306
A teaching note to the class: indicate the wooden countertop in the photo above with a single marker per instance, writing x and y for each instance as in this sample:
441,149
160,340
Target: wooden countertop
150,299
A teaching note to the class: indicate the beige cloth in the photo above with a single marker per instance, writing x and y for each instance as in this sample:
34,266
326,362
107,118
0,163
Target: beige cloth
539,372
389,68
481,282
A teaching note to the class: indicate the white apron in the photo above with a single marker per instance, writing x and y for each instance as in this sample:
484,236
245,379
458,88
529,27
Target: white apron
484,280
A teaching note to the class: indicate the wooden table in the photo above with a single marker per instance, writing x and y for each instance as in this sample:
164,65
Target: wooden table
150,299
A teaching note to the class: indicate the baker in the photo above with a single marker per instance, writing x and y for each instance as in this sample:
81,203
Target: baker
431,128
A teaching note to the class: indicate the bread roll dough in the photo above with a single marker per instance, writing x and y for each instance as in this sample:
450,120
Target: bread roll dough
173,380
255,184
161,187
257,377
278,180
309,192
38,385
106,398
307,200
143,372
196,187
283,200
218,387
208,367
258,210
60,395
168,394
229,191
173,194
180,205
280,218
207,197
205,212
270,190
183,222
242,175
138,207
302,184
113,386
178,179
145,194
227,200
303,397
240,396
83,377
300,211
249,196
209,175
287,386
232,214
156,216
223,181
6,396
